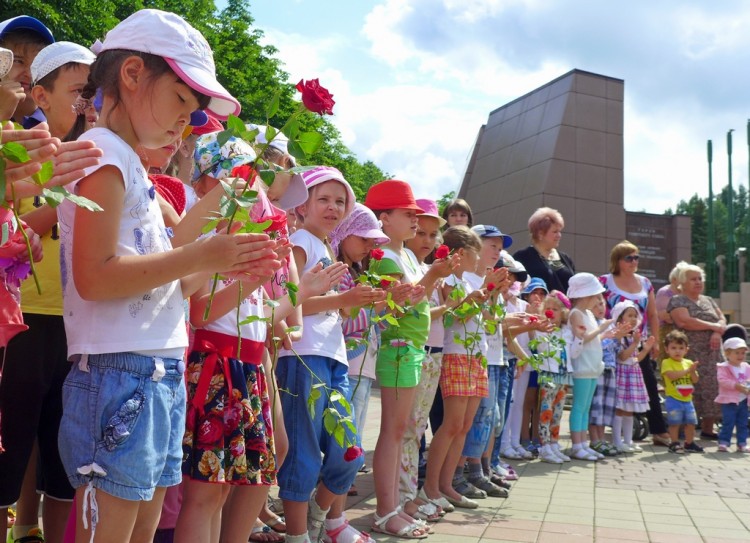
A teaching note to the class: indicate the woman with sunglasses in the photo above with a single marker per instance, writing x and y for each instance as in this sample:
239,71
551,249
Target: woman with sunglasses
623,283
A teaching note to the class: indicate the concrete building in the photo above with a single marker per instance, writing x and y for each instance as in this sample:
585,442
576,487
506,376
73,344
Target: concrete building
561,146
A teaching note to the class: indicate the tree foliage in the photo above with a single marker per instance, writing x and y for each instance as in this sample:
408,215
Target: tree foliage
697,209
248,69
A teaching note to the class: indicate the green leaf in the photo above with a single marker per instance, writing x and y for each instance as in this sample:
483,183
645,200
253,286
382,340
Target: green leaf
296,150
390,319
267,176
45,174
253,318
339,434
53,198
350,425
3,187
310,142
15,152
251,227
292,290
291,129
273,107
236,126
223,137
271,133
211,225
292,329
272,303
80,201
330,420
4,233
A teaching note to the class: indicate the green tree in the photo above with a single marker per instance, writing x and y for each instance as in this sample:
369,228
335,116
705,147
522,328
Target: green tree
248,69
446,199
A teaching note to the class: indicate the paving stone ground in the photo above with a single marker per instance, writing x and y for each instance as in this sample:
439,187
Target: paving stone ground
654,496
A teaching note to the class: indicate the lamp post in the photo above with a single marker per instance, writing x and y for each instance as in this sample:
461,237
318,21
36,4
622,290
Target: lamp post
713,287
730,278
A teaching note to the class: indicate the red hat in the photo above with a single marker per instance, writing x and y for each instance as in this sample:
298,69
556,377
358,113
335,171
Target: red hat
391,194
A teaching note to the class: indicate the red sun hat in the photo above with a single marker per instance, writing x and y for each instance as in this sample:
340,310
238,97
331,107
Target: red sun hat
391,194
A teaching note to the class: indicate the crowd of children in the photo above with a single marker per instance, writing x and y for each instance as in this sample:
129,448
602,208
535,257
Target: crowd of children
175,369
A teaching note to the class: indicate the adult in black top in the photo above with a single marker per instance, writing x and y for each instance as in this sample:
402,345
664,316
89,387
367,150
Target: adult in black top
542,259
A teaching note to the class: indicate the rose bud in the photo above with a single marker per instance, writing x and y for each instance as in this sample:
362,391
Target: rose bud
490,287
549,314
377,254
442,252
352,453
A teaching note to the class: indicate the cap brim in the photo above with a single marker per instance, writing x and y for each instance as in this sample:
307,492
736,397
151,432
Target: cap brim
377,235
28,23
507,241
295,194
441,221
222,103
198,118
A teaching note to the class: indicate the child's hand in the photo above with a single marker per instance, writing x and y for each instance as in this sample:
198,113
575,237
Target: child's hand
400,292
479,296
443,267
636,336
11,94
649,343
283,248
417,293
362,295
317,281
694,366
36,245
621,330
229,253
498,276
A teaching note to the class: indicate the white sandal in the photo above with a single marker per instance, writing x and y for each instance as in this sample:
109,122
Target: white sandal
441,502
410,531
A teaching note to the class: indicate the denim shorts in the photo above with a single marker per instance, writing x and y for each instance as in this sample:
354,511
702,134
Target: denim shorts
122,425
308,437
679,412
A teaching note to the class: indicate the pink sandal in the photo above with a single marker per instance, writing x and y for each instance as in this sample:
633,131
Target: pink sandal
355,536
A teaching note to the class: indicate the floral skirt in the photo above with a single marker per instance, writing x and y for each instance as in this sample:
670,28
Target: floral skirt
232,440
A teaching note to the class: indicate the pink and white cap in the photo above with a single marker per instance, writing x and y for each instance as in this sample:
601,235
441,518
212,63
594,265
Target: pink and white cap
184,48
430,210
321,174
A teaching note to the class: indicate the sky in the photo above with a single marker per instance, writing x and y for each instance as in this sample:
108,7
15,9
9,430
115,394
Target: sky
414,80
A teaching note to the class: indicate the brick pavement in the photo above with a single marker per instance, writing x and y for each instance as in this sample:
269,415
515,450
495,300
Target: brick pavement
654,496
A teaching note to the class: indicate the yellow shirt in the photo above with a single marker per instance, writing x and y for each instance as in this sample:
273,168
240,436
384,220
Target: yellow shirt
680,389
50,301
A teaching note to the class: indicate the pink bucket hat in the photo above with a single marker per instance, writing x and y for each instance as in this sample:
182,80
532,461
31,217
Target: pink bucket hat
321,174
430,209
184,48
360,222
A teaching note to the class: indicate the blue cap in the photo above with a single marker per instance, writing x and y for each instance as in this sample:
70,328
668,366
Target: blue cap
27,23
533,284
489,231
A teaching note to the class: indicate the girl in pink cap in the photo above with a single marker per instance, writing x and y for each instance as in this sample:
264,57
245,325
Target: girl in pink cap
124,284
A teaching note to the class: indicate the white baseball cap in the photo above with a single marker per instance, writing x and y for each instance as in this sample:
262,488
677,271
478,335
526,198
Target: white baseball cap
584,284
735,343
58,54
184,48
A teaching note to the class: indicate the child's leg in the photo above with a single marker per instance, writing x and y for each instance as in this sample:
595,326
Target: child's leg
729,420
577,421
396,405
454,413
453,454
557,412
515,418
689,433
627,427
547,392
742,429
148,516
240,511
200,502
116,517
529,408
674,433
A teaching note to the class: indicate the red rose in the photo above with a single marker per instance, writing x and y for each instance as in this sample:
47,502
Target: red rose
316,98
490,287
244,172
377,254
549,314
278,223
352,453
385,283
442,252
533,318
210,430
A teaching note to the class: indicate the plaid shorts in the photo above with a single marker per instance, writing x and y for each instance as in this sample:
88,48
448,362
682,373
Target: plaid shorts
463,375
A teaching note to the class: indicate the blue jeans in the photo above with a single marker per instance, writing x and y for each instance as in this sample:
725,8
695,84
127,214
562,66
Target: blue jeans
123,422
504,397
733,414
484,419
307,435
359,398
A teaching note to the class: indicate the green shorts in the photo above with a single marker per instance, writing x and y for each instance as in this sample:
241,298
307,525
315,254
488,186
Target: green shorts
399,367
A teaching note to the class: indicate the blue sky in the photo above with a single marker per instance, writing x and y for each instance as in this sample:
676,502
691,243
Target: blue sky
415,79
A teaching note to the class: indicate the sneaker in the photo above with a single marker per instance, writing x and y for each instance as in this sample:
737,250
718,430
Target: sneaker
468,490
607,449
693,447
523,453
583,454
558,451
723,447
592,452
635,448
547,454
510,453
624,448
492,490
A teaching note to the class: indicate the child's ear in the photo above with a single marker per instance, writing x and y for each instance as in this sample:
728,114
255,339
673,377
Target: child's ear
132,71
39,94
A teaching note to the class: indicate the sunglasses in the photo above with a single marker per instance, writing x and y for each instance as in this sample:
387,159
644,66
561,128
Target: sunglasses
631,258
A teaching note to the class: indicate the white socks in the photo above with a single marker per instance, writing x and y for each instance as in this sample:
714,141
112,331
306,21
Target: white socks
627,429
617,430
